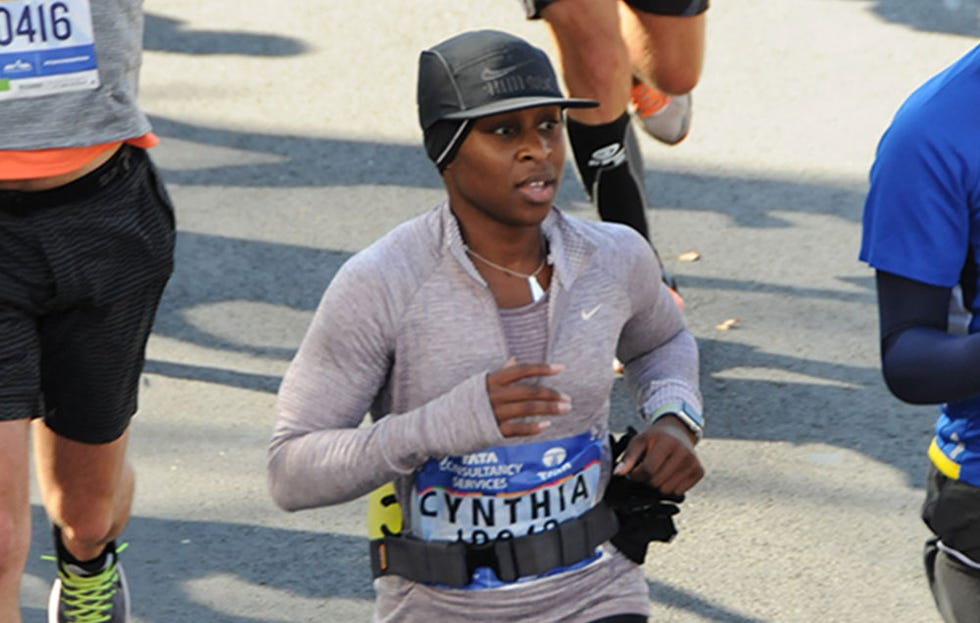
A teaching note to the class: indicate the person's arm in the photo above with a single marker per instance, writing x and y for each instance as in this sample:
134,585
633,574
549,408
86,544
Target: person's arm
660,359
921,362
319,453
659,354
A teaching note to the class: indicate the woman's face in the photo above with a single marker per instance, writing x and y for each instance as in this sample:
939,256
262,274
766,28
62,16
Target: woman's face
508,167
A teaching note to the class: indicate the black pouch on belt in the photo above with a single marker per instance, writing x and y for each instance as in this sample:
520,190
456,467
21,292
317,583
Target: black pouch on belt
644,513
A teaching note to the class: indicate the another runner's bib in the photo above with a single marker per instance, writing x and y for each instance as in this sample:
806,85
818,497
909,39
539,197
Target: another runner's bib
46,47
507,491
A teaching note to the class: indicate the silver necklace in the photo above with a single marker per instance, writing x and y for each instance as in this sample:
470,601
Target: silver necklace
532,279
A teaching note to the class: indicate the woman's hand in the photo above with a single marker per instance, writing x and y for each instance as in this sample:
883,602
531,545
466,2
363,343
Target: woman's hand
663,456
514,402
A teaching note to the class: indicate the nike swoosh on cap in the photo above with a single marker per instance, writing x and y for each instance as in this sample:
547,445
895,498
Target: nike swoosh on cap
489,74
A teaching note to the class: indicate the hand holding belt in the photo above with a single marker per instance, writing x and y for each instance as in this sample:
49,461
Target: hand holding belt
645,514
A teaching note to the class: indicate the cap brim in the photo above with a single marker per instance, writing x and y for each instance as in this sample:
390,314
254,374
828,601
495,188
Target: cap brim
520,103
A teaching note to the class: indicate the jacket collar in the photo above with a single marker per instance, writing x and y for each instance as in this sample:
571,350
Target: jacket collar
569,251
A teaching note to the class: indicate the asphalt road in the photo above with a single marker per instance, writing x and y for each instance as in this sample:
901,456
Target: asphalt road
289,142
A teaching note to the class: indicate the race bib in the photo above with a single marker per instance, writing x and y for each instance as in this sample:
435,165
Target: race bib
46,46
506,491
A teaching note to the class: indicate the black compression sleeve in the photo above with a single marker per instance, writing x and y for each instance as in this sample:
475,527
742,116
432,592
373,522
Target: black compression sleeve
923,364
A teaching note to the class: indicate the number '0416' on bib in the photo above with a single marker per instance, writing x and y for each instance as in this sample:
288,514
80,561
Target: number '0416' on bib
46,47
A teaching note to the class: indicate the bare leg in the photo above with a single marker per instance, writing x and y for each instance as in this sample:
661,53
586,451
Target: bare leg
666,51
594,59
87,489
15,524
595,65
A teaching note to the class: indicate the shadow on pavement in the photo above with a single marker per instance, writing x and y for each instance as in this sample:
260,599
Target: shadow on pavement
211,269
670,597
821,402
300,161
823,406
166,34
312,162
954,17
208,572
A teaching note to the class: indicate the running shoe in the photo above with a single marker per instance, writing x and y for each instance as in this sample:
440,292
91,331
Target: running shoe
666,118
78,597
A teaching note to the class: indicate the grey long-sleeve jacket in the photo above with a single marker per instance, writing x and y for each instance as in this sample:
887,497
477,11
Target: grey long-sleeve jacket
408,331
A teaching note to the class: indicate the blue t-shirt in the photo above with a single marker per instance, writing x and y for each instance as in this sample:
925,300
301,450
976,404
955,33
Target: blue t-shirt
922,221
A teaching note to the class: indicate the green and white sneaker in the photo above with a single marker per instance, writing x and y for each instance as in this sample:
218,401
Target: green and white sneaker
78,597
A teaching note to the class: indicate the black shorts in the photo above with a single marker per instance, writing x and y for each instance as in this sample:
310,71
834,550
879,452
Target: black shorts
82,269
533,8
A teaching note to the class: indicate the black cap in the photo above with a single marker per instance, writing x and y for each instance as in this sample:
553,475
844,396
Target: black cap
486,72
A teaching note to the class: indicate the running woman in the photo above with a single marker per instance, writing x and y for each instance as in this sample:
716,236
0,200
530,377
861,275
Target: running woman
477,337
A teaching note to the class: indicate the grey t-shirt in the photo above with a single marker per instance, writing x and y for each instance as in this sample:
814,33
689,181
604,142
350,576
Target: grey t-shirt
86,116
